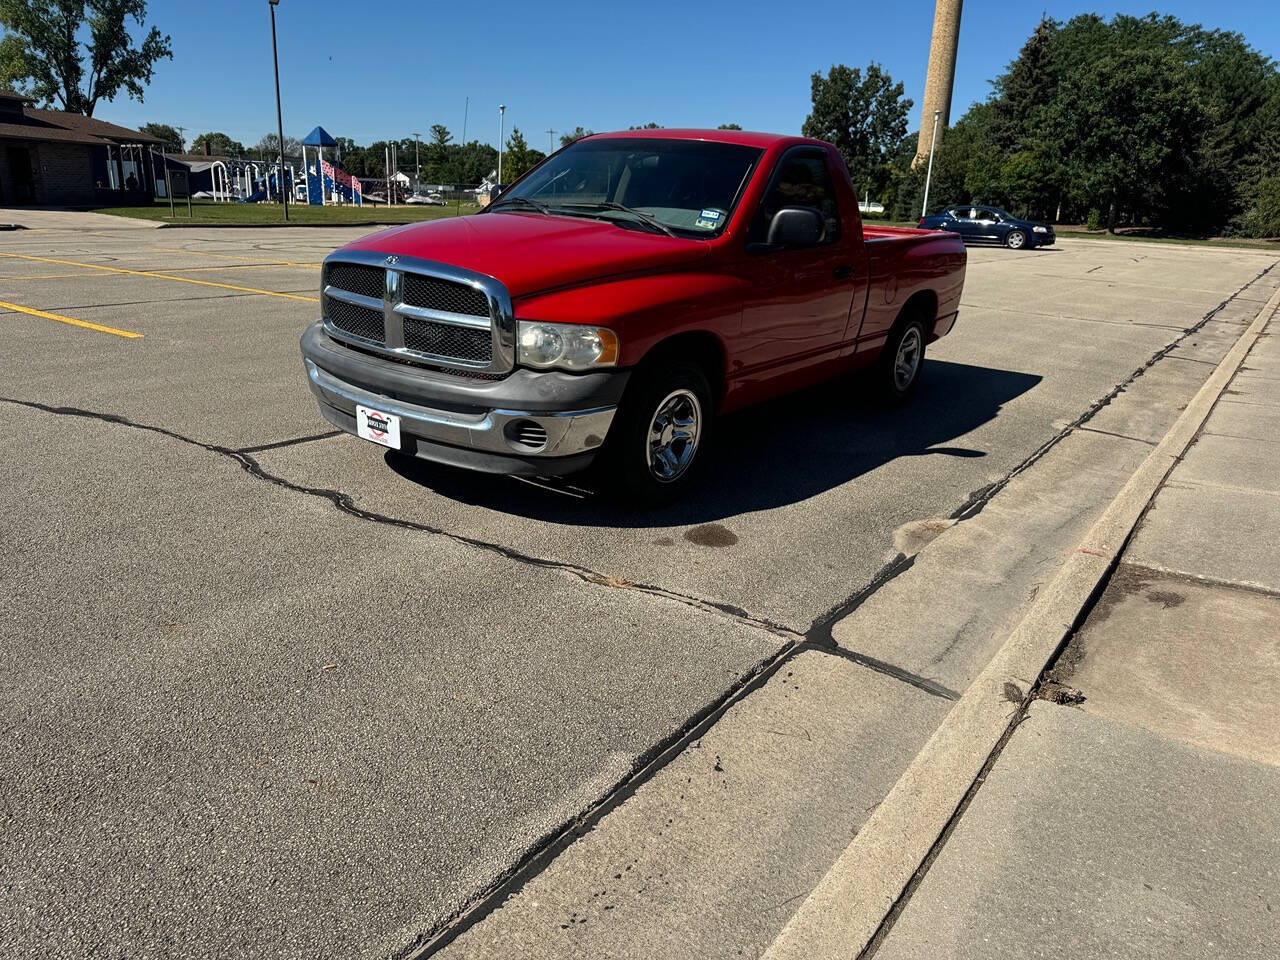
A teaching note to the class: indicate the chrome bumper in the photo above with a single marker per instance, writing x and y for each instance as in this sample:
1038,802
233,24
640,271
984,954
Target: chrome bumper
569,433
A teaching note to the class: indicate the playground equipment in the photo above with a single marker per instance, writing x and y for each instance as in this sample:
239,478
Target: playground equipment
325,182
221,181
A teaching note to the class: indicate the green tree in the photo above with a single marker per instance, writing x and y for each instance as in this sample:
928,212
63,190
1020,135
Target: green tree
647,126
574,135
520,157
218,144
729,126
865,117
77,52
169,136
268,147
1131,120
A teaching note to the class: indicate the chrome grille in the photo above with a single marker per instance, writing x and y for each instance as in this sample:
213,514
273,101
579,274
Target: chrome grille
420,312
470,344
434,294
357,278
357,321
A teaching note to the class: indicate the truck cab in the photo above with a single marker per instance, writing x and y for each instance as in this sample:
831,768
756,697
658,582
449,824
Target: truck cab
617,299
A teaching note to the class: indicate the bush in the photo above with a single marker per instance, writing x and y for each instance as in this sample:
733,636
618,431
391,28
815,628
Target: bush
1094,222
1263,217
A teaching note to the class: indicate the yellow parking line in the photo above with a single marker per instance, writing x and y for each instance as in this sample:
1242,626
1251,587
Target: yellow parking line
71,320
238,266
237,256
48,276
163,276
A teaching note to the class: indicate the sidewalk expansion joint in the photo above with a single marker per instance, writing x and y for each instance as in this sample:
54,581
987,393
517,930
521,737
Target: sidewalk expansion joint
1171,573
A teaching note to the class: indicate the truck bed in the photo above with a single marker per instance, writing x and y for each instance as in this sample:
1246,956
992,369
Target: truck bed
870,232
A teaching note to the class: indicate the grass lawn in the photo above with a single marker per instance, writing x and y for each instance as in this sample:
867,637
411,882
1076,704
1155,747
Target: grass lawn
1152,237
206,213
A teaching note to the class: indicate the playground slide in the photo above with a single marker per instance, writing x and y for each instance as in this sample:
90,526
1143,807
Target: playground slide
256,197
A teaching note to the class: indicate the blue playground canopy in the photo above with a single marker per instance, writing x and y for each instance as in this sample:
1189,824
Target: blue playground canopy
319,137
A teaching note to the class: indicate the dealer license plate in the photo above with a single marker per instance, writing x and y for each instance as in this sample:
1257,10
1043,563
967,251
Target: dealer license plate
383,428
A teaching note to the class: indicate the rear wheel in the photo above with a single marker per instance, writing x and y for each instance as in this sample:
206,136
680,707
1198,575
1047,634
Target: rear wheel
657,444
899,367
1015,240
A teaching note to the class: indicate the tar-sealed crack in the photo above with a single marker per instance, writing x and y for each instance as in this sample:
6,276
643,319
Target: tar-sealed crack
820,631
346,504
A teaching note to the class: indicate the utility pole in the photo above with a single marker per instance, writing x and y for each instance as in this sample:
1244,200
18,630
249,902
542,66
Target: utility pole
551,142
417,167
924,209
466,109
502,132
275,60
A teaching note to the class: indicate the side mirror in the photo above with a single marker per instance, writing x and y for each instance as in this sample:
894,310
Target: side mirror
796,227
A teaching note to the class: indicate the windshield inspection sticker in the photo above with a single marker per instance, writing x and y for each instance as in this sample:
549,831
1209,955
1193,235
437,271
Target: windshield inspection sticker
710,219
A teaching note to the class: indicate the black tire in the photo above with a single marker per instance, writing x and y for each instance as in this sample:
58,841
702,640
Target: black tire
894,382
1016,240
679,388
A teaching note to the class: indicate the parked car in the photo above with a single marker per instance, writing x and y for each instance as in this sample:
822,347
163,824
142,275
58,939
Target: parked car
990,225
429,199
617,299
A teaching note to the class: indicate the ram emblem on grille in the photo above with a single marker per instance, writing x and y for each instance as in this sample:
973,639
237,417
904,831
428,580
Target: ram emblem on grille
392,260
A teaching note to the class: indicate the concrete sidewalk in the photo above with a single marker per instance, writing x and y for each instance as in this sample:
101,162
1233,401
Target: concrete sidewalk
1143,822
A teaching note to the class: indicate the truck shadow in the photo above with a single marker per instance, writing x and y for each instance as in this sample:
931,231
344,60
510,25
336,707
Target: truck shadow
768,456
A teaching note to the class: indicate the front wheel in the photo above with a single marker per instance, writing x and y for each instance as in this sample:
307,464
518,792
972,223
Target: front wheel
1016,240
657,445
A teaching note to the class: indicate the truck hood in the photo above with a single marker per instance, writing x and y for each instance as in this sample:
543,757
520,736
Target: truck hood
531,253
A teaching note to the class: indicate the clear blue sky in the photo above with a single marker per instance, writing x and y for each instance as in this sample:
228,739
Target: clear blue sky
373,71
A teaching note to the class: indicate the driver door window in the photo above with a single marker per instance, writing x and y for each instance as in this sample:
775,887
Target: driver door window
803,180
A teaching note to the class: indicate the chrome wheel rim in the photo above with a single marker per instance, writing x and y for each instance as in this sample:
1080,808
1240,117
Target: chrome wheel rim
672,439
1016,240
907,362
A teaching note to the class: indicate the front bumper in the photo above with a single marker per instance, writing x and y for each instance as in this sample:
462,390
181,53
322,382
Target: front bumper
476,424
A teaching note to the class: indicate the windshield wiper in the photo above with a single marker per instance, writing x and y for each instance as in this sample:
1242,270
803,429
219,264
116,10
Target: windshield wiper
536,205
644,218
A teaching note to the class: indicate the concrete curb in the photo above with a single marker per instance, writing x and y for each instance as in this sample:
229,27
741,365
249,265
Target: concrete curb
843,914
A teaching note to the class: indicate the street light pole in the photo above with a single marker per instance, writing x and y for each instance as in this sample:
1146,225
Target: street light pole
275,60
502,132
417,167
924,210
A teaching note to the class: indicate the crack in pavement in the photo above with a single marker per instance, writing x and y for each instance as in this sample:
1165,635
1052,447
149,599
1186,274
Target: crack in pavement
820,631
346,504
294,441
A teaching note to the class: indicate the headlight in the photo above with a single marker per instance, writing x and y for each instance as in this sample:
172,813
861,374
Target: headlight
565,345
1040,229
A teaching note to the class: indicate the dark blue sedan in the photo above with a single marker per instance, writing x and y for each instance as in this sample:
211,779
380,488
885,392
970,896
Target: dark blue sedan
990,225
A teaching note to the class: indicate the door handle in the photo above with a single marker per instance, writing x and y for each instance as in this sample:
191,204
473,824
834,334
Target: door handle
843,272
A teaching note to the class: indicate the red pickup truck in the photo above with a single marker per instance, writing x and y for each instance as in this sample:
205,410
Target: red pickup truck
619,297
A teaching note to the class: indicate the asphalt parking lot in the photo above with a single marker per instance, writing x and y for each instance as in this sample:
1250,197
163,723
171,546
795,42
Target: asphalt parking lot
268,693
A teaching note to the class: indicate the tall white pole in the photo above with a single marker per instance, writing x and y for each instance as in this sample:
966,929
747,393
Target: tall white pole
502,133
924,210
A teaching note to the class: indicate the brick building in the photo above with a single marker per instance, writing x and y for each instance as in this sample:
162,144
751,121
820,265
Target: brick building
52,158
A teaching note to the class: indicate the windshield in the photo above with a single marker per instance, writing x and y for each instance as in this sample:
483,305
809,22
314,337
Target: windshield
689,187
